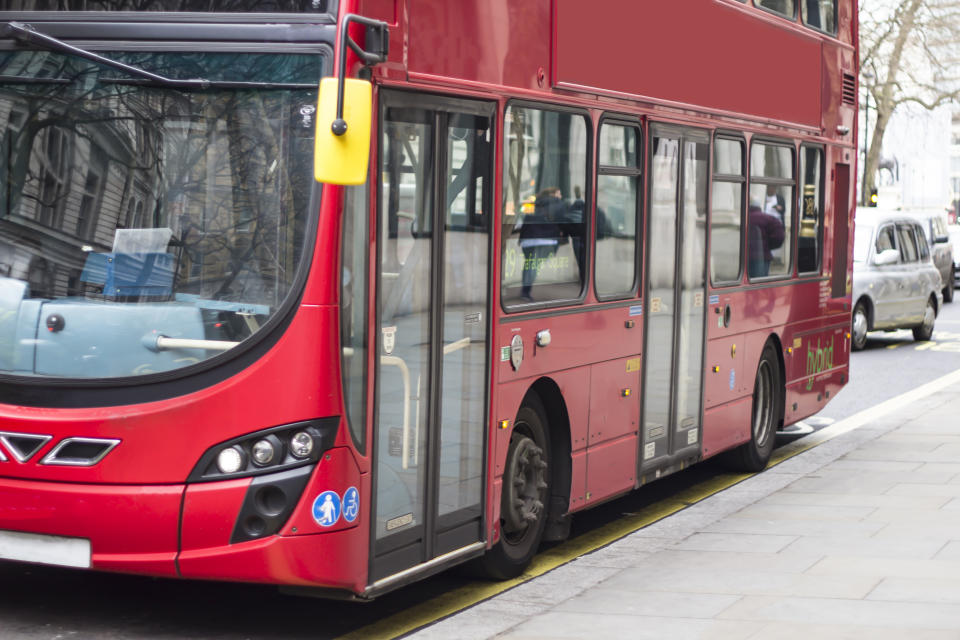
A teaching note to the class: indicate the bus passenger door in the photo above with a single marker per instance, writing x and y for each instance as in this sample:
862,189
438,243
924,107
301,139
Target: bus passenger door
431,387
674,298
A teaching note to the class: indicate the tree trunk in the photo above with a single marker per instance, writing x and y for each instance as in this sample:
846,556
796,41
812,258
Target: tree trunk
883,94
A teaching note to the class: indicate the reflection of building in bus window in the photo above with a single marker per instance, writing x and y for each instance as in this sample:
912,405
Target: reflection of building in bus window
766,234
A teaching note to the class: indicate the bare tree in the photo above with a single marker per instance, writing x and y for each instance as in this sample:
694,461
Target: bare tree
907,55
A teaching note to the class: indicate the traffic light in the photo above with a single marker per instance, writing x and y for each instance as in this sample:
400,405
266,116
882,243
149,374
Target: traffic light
872,200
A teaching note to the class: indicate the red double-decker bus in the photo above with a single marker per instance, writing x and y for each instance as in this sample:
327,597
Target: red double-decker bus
508,261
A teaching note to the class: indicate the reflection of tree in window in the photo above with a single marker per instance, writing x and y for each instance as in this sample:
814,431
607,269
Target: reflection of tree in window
53,162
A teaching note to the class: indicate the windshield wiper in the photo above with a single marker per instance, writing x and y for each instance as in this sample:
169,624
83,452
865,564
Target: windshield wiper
25,33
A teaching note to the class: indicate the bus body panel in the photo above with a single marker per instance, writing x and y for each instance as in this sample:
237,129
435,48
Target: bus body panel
130,528
706,65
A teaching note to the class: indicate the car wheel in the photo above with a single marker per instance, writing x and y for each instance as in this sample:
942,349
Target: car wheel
765,416
526,491
858,332
925,331
948,292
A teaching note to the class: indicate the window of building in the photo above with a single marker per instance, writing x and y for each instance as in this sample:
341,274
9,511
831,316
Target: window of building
819,14
770,211
726,211
544,226
783,7
617,188
810,232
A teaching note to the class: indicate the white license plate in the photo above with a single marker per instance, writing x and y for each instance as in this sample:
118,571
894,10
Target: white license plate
34,547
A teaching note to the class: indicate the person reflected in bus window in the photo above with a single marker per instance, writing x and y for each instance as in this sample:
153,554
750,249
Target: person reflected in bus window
572,225
766,234
539,236
774,204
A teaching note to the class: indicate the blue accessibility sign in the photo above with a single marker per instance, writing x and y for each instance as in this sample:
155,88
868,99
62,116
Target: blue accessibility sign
326,509
351,504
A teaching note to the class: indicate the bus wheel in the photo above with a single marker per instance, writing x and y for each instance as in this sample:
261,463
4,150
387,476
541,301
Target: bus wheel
526,492
754,455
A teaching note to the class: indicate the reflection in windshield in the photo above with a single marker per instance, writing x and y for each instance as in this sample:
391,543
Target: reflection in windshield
146,229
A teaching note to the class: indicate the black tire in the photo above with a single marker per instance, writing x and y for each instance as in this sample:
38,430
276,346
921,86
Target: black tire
525,494
948,290
859,328
925,331
764,417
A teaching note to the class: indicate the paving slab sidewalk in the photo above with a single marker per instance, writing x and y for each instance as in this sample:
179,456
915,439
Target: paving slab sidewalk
857,537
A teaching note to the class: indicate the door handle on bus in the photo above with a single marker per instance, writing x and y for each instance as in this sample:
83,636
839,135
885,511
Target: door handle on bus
543,338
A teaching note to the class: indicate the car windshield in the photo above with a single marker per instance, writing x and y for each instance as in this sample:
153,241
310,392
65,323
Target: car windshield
861,242
146,228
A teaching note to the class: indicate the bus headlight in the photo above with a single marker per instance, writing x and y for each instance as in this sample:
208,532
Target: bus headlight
267,451
263,452
301,444
231,460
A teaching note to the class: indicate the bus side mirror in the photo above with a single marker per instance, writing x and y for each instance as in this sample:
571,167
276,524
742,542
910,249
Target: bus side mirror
342,159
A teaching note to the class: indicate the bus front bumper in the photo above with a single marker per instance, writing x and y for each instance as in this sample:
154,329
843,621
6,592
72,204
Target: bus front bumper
132,529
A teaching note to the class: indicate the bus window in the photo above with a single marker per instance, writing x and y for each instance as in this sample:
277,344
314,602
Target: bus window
619,173
809,236
353,308
820,14
726,212
545,174
783,7
770,211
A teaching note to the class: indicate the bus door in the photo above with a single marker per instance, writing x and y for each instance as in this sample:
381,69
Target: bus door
674,298
433,266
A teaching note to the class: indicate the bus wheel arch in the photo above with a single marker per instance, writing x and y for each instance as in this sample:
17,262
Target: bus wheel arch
561,468
767,410
536,486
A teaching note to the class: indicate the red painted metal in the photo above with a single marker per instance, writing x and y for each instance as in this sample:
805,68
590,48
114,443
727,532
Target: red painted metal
709,64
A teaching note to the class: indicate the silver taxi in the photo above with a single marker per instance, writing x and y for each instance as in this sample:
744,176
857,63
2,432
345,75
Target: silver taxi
895,284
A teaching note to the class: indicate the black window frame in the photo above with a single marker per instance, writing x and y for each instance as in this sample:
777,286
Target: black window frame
819,29
588,197
617,119
822,200
730,136
792,145
756,3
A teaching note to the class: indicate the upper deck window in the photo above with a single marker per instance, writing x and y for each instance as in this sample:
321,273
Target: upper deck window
783,7
820,14
146,229
544,205
198,6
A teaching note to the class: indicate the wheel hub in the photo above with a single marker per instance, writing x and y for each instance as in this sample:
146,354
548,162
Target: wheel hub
524,483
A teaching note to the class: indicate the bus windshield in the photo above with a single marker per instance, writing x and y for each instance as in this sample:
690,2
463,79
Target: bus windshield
143,227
